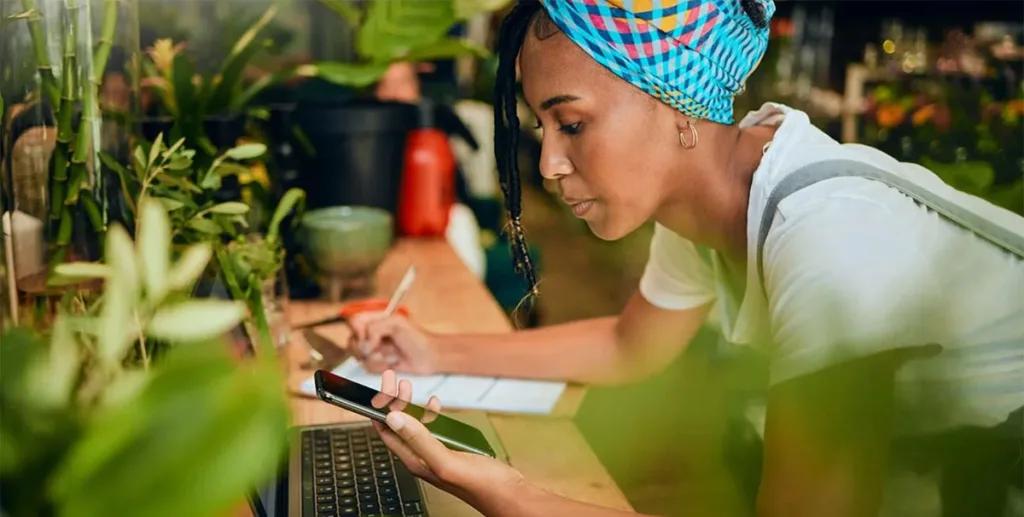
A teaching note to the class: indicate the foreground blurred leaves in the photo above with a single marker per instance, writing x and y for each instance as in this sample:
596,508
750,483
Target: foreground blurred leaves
92,424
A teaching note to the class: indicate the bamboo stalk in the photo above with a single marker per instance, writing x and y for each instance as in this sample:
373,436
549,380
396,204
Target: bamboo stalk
43,66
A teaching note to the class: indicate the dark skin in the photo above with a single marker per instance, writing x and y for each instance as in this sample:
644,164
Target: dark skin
617,151
825,449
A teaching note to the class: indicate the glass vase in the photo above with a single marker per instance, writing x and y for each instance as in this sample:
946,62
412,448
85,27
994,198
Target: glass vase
68,84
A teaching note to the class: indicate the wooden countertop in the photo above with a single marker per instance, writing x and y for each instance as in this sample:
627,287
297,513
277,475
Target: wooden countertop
446,297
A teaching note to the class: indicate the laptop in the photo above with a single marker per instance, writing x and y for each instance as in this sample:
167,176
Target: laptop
332,470
340,470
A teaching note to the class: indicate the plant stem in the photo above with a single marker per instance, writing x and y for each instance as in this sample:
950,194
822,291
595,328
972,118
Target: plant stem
35,28
142,341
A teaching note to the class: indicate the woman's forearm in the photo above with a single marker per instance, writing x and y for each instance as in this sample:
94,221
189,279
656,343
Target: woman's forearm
530,501
581,351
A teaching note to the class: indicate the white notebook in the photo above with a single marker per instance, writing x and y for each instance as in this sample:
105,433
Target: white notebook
462,391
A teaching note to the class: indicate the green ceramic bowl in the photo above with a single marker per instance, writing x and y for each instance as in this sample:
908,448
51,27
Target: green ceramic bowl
347,240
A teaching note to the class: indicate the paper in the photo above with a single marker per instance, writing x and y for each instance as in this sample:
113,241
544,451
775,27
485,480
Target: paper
463,391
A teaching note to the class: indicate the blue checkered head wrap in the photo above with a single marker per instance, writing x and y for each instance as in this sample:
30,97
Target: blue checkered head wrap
694,55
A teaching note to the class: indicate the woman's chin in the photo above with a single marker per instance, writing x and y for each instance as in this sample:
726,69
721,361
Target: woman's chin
604,231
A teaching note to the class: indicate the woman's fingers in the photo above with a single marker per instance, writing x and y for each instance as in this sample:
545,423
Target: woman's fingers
404,396
388,390
433,409
437,457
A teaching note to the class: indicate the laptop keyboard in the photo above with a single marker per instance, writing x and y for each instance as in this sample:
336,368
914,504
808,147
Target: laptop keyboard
348,471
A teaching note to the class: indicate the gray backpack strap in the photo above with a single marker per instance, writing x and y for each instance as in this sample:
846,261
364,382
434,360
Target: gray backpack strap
821,171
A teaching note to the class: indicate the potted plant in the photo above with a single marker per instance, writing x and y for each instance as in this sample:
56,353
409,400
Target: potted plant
64,63
210,112
94,425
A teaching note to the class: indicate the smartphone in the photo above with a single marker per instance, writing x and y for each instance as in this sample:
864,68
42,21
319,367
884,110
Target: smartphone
373,404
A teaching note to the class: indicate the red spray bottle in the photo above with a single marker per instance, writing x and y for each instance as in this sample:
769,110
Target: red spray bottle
428,179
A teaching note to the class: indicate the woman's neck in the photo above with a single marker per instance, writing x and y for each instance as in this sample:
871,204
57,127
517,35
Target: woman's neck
715,213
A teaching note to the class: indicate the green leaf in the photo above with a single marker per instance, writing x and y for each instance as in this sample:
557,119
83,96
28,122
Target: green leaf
184,90
140,163
83,270
445,49
179,163
116,321
466,9
113,165
201,424
230,208
195,320
52,379
154,150
154,248
205,226
190,266
293,198
394,27
246,151
344,74
174,148
123,388
170,204
230,75
346,10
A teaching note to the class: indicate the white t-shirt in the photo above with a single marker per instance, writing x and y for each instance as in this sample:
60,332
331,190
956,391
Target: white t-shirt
853,267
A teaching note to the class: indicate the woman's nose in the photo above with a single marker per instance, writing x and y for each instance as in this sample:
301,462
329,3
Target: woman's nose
553,164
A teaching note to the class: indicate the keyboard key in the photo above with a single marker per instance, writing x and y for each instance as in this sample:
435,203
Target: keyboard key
325,489
388,490
389,499
327,498
346,474
364,463
324,472
413,507
369,497
382,465
325,508
364,471
369,507
386,482
324,480
364,480
344,465
345,483
348,510
393,509
347,501
322,464
361,455
346,492
384,474
366,488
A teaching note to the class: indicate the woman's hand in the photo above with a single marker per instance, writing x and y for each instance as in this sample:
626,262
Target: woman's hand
485,483
392,342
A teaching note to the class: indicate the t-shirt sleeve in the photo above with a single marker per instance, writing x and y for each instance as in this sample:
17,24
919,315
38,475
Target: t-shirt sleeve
847,279
676,277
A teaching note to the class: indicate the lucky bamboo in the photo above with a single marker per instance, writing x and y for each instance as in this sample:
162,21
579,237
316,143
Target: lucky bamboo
43,66
73,150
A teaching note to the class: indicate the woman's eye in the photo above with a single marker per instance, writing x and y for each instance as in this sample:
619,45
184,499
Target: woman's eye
570,129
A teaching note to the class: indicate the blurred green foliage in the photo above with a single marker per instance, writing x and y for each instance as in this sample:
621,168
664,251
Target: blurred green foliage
92,426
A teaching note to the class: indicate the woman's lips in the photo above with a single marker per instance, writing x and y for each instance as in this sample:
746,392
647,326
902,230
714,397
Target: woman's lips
580,209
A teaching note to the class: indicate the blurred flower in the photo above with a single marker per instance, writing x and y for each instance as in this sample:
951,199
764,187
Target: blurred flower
162,53
923,115
890,115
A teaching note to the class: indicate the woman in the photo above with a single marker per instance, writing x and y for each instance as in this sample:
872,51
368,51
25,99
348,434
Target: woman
871,303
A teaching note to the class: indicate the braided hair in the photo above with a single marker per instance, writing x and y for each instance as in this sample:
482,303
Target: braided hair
506,121
506,135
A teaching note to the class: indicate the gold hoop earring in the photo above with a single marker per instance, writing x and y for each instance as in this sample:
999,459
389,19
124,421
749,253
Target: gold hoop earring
693,136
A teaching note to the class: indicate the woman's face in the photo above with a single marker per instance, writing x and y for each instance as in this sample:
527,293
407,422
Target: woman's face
611,147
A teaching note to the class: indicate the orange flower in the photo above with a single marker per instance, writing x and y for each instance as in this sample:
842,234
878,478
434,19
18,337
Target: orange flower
1015,107
923,115
890,115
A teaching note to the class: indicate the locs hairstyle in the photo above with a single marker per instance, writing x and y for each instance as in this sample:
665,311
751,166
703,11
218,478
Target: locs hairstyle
506,131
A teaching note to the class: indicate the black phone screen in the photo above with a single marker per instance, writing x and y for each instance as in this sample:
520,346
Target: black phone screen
374,404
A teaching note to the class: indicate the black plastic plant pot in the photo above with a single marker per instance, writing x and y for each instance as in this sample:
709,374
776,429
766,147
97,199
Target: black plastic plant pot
358,151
